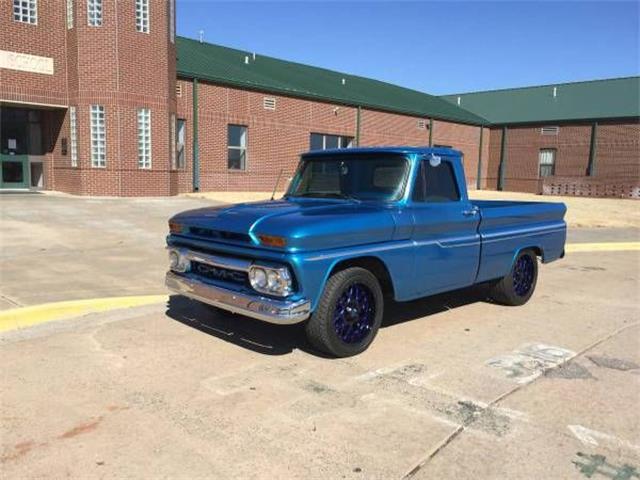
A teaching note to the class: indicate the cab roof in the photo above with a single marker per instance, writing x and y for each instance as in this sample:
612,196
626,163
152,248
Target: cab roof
446,151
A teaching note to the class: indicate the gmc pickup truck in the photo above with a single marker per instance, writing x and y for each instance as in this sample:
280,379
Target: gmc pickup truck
358,227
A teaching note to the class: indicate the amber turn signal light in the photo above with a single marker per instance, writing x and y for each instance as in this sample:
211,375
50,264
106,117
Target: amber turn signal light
175,227
272,240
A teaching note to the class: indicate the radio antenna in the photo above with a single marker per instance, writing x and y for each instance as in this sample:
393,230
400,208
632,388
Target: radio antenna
275,187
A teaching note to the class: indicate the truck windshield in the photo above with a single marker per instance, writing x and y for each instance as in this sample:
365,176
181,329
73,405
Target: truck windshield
355,177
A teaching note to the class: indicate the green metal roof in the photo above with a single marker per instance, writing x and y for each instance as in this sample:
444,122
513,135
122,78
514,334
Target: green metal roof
227,66
592,100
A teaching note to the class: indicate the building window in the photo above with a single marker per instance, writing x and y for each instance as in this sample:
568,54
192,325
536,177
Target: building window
142,16
172,21
181,135
547,162
98,137
25,11
237,147
321,141
144,138
69,14
94,13
73,135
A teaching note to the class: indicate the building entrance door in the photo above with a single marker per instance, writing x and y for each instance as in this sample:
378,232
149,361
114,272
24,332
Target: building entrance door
20,138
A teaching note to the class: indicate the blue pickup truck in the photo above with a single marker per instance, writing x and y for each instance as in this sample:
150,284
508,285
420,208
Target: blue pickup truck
358,227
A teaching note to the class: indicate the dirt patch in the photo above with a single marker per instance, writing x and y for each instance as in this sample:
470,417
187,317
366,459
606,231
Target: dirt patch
613,363
473,415
19,450
569,371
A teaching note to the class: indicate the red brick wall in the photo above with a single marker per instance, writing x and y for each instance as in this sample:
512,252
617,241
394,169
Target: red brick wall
617,159
276,138
111,65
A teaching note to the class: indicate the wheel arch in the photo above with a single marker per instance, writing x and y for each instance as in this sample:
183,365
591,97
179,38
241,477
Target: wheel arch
371,263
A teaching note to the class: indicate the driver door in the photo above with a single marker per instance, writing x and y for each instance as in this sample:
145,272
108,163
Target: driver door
445,232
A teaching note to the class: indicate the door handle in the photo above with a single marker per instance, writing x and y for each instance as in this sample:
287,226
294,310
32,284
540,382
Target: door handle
470,212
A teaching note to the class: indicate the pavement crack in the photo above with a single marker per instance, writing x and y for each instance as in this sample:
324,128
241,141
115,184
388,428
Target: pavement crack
461,428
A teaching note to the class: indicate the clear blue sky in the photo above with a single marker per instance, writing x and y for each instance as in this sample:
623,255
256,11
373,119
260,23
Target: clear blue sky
435,47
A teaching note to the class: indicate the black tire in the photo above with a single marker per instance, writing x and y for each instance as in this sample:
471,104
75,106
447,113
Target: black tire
321,329
516,288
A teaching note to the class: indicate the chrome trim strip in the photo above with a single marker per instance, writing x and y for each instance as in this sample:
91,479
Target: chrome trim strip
281,312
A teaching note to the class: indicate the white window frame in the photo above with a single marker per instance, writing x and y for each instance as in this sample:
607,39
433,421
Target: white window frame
550,130
25,11
73,135
142,16
547,158
144,138
241,147
181,163
94,13
173,140
97,114
69,14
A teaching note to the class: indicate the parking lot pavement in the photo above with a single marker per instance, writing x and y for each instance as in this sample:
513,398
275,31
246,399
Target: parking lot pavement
452,387
60,247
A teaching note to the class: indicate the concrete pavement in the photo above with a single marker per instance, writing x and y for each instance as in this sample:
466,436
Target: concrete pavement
452,387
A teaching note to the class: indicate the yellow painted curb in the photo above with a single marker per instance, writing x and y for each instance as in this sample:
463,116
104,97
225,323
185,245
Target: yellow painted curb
602,247
28,316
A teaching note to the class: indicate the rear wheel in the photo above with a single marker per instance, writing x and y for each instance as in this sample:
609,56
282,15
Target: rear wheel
517,287
348,315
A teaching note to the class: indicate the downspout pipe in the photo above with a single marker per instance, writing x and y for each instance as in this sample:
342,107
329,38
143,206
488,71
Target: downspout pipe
503,159
593,147
479,174
431,132
196,143
358,123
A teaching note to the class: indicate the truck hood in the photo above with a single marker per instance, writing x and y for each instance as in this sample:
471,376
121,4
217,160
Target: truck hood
305,224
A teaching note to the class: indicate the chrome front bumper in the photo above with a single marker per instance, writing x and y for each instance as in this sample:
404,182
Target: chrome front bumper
282,312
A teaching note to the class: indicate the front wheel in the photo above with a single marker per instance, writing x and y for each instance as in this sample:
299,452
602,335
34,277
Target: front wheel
348,315
517,287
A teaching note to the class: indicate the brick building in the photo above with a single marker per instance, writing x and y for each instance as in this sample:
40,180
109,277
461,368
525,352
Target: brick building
100,97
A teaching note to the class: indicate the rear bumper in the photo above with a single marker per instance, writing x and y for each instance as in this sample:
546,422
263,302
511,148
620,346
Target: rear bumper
282,312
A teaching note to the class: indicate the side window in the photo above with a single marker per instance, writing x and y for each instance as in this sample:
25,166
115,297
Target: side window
436,184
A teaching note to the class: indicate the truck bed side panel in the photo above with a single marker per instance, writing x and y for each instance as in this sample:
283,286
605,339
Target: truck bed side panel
508,227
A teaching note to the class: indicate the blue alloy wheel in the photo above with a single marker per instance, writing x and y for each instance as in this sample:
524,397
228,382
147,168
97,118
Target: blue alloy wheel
523,275
354,314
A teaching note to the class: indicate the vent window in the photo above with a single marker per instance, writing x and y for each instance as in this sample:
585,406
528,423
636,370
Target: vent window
422,125
178,90
73,135
142,16
550,130
25,11
94,13
269,103
69,14
98,137
144,138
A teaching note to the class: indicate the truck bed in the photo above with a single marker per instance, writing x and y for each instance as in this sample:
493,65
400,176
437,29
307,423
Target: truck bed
506,227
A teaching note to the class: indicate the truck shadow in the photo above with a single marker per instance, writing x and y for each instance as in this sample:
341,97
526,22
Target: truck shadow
271,339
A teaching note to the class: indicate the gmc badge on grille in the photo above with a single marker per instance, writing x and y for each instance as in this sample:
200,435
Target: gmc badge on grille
220,273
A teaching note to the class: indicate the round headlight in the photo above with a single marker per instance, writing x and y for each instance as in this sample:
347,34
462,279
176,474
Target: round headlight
273,279
258,277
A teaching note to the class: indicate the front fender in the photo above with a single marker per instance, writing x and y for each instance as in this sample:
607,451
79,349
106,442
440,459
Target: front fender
313,270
